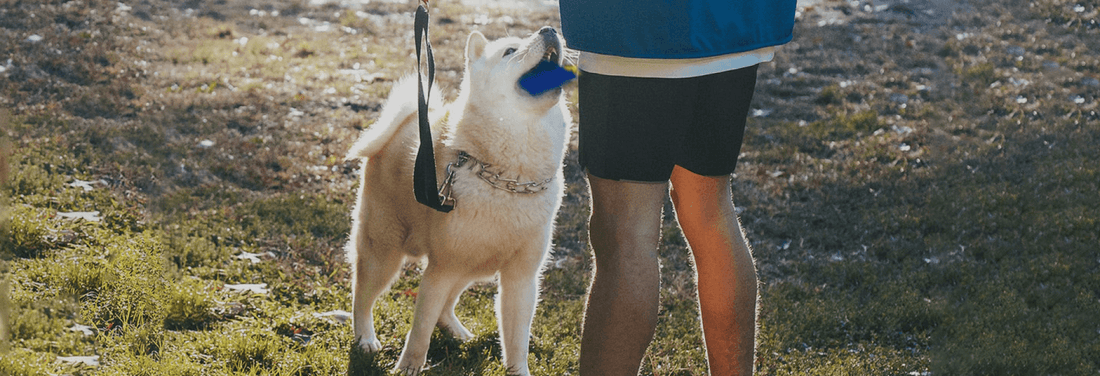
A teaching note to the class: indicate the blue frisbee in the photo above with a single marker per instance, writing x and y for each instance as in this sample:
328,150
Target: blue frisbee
544,77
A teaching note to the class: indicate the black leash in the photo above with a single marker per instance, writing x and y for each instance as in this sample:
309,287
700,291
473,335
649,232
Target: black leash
425,185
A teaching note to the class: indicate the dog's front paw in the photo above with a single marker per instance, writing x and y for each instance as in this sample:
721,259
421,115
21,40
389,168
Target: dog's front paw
518,371
370,345
406,370
410,364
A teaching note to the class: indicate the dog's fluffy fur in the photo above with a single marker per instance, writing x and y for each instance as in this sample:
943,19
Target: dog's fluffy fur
491,232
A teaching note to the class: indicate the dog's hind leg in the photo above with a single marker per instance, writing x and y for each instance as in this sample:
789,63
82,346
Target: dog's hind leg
449,321
375,271
516,309
435,288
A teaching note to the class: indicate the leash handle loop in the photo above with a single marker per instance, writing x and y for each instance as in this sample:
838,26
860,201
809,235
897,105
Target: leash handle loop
425,185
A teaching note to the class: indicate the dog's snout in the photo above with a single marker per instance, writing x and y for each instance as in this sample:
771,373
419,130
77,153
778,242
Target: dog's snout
550,36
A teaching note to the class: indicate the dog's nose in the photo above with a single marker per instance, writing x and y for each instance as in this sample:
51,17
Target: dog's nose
547,30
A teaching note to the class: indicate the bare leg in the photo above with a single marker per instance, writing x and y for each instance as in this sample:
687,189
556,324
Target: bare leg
724,266
621,315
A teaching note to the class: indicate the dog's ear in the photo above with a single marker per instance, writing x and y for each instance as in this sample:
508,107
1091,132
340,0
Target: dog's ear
475,45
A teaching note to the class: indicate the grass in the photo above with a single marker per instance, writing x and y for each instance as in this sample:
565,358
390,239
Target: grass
922,201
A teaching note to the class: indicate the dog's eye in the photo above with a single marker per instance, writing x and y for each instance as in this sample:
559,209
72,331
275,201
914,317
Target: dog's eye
509,51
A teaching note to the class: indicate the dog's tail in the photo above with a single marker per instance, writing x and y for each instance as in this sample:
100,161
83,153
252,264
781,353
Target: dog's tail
401,104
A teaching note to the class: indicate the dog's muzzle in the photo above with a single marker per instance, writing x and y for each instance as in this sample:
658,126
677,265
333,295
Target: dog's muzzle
553,45
547,74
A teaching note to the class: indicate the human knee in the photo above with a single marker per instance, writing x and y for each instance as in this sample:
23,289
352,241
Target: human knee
702,208
609,230
612,237
700,195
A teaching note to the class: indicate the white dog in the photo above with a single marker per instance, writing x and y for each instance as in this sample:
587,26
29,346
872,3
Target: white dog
505,149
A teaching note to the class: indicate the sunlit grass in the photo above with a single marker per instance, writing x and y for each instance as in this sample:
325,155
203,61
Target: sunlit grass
953,235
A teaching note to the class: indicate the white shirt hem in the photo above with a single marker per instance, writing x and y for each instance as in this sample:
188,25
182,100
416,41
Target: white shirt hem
671,68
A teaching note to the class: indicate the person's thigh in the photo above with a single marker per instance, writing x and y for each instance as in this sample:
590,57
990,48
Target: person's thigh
710,142
627,125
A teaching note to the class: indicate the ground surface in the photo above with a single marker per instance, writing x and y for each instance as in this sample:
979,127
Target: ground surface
919,183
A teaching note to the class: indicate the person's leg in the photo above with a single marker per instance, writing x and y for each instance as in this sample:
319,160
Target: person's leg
621,315
726,275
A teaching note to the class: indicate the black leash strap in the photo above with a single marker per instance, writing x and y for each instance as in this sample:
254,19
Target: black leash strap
425,185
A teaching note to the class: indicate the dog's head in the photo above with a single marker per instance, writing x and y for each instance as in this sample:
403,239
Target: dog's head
493,69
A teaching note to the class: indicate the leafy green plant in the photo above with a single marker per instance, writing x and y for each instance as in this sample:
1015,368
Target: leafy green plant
188,305
133,290
24,234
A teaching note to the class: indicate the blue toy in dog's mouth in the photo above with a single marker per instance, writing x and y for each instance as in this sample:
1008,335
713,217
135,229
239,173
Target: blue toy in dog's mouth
545,76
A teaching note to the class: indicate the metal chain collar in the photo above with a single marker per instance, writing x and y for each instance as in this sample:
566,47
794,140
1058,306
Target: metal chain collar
481,169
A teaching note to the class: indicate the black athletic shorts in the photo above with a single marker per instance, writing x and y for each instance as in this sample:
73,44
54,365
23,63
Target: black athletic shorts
638,129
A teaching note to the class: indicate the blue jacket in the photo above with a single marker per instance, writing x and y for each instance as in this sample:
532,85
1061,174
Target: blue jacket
675,29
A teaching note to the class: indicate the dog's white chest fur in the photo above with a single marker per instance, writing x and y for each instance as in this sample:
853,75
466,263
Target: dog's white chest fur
492,231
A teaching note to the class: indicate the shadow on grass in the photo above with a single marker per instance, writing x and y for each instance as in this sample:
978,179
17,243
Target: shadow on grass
447,355
983,264
362,363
